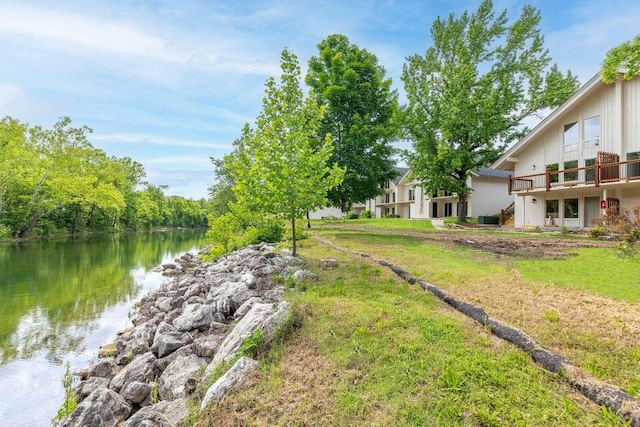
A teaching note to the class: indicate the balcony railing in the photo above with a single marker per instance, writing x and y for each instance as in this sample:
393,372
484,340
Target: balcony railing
593,175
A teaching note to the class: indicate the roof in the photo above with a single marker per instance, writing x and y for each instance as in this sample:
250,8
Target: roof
401,173
491,173
510,156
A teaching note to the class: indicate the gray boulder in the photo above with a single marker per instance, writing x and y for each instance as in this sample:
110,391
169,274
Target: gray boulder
140,369
103,368
194,316
88,386
179,378
103,407
229,381
168,343
304,275
136,392
245,327
162,414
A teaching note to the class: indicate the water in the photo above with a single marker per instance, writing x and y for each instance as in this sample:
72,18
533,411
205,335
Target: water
62,299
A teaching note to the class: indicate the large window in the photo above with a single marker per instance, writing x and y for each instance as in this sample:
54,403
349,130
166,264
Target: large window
589,174
394,197
633,169
571,175
448,209
591,128
412,194
571,137
570,208
554,172
552,209
386,198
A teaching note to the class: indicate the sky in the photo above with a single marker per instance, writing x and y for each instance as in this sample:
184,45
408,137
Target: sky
171,83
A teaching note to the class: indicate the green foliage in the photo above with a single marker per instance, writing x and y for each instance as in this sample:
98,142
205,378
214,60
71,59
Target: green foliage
470,92
70,397
361,117
254,345
367,214
279,167
352,215
624,58
271,233
53,181
597,231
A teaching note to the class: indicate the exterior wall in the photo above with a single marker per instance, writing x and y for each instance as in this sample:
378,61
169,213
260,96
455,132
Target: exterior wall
618,106
325,213
489,196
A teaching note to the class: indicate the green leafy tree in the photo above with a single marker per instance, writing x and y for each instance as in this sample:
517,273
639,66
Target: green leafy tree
361,116
279,168
470,92
221,193
624,58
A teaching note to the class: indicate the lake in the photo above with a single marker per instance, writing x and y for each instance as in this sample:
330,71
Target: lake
61,300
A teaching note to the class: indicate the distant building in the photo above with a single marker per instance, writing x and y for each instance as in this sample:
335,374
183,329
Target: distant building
406,199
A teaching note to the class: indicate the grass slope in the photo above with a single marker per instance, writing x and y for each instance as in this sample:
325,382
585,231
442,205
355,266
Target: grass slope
376,351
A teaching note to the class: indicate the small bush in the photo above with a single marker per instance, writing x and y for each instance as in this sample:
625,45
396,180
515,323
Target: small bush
272,233
392,216
352,215
597,231
367,214
254,345
70,396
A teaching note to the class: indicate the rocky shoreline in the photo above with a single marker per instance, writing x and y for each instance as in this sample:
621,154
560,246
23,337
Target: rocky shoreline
189,325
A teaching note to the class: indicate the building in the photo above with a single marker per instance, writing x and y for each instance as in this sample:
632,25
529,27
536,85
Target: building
580,160
406,199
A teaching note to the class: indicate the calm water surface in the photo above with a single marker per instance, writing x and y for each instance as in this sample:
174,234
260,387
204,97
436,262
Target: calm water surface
62,299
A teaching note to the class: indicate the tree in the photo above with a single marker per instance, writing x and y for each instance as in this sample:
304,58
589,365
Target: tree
361,116
470,92
624,58
279,169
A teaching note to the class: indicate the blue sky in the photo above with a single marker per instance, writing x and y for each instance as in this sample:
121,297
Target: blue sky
171,83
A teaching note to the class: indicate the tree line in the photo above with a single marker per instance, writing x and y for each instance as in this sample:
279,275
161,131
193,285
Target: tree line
54,181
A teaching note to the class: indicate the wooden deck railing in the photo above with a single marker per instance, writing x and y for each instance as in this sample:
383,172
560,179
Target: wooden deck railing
587,175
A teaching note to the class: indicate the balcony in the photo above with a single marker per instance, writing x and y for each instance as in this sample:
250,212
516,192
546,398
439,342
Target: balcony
600,173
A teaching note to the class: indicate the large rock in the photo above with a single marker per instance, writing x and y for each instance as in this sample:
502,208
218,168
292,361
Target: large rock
140,369
136,392
179,378
165,344
103,368
277,319
232,342
103,407
91,384
229,381
229,296
162,414
194,316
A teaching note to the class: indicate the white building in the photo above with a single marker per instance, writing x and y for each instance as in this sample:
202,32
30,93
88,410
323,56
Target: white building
579,161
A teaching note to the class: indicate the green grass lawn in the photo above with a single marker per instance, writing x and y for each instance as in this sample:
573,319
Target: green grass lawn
374,351
387,223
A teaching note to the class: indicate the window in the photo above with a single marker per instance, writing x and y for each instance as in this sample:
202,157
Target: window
554,172
570,208
412,194
552,209
394,197
571,175
591,131
633,169
571,137
386,198
590,174
448,209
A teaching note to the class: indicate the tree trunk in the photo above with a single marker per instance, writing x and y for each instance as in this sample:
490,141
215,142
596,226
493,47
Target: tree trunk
293,235
76,220
308,220
462,207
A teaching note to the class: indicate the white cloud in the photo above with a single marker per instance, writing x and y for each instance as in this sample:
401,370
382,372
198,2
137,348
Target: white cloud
85,31
158,140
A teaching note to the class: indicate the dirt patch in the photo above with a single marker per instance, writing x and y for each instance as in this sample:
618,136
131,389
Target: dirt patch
522,245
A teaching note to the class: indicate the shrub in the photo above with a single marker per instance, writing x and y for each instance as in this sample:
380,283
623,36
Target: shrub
352,215
392,216
367,214
597,231
625,223
272,233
